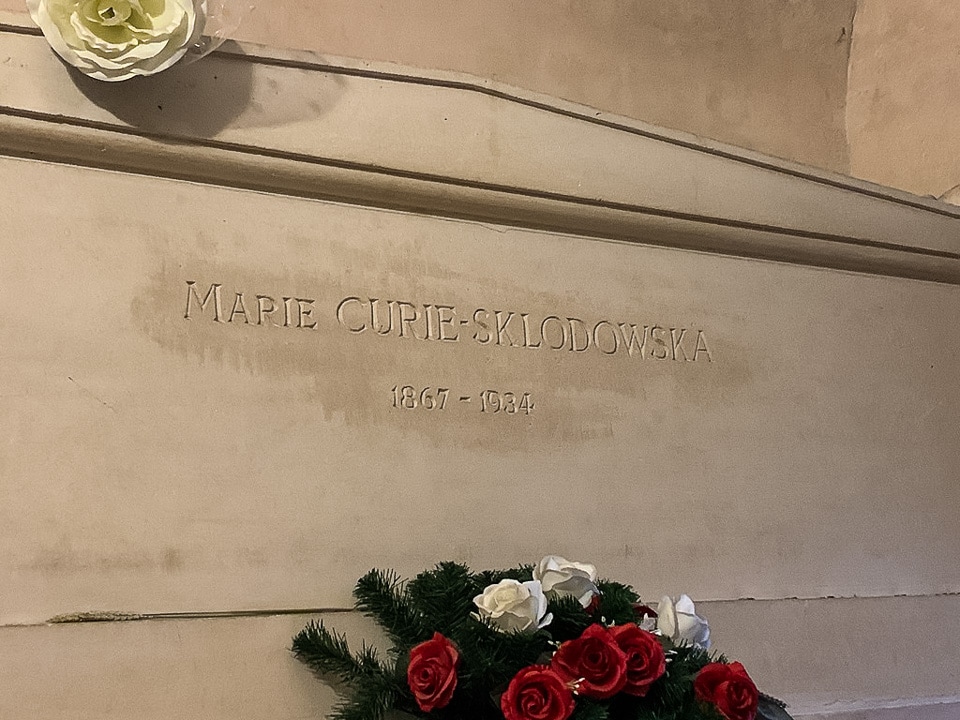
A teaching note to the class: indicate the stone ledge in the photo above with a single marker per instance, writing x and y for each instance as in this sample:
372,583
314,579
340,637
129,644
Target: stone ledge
436,143
234,667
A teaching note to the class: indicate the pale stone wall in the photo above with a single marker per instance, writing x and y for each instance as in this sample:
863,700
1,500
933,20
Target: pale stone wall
862,476
903,110
766,76
752,73
771,77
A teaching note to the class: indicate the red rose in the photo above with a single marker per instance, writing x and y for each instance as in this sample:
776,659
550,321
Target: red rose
537,693
594,607
646,660
644,611
729,688
595,661
432,672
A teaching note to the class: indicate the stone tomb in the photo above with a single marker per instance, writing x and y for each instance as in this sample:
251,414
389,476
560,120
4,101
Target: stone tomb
238,375
232,398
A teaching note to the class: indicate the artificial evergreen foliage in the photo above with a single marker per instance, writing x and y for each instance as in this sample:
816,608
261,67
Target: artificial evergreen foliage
380,594
441,600
617,602
373,687
445,596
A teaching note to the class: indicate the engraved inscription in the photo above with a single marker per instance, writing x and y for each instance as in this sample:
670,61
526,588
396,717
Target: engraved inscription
493,402
428,398
510,328
435,322
509,403
287,312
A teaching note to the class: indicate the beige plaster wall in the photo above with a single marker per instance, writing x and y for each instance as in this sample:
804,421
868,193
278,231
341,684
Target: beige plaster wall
904,101
189,665
765,76
771,77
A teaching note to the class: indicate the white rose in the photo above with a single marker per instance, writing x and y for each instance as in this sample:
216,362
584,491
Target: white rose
117,39
560,577
680,622
513,606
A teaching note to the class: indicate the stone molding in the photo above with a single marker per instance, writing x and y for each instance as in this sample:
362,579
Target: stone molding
434,143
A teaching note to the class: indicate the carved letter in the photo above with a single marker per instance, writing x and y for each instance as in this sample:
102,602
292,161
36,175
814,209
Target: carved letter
613,334
446,322
239,309
262,309
342,320
406,320
287,312
527,340
676,340
377,326
575,324
484,326
563,332
305,308
428,321
214,291
502,330
631,341
702,346
659,352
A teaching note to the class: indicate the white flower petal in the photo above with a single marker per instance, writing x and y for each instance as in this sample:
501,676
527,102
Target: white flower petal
136,37
666,617
513,606
561,577
685,605
679,622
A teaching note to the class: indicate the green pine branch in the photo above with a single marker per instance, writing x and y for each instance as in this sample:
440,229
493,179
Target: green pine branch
382,595
495,657
672,697
569,618
327,653
373,688
371,701
616,602
492,577
590,710
445,595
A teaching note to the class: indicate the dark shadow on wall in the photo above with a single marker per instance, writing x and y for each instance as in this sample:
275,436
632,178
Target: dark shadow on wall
198,100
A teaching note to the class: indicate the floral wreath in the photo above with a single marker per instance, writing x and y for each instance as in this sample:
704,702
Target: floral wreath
550,642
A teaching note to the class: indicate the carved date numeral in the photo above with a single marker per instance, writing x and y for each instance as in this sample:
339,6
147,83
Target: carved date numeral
408,397
493,401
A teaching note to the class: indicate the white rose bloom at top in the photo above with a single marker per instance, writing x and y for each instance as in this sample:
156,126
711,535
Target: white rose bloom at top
680,622
115,40
513,606
561,577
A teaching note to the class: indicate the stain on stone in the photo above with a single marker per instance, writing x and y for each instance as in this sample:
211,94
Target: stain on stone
173,560
273,328
62,559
